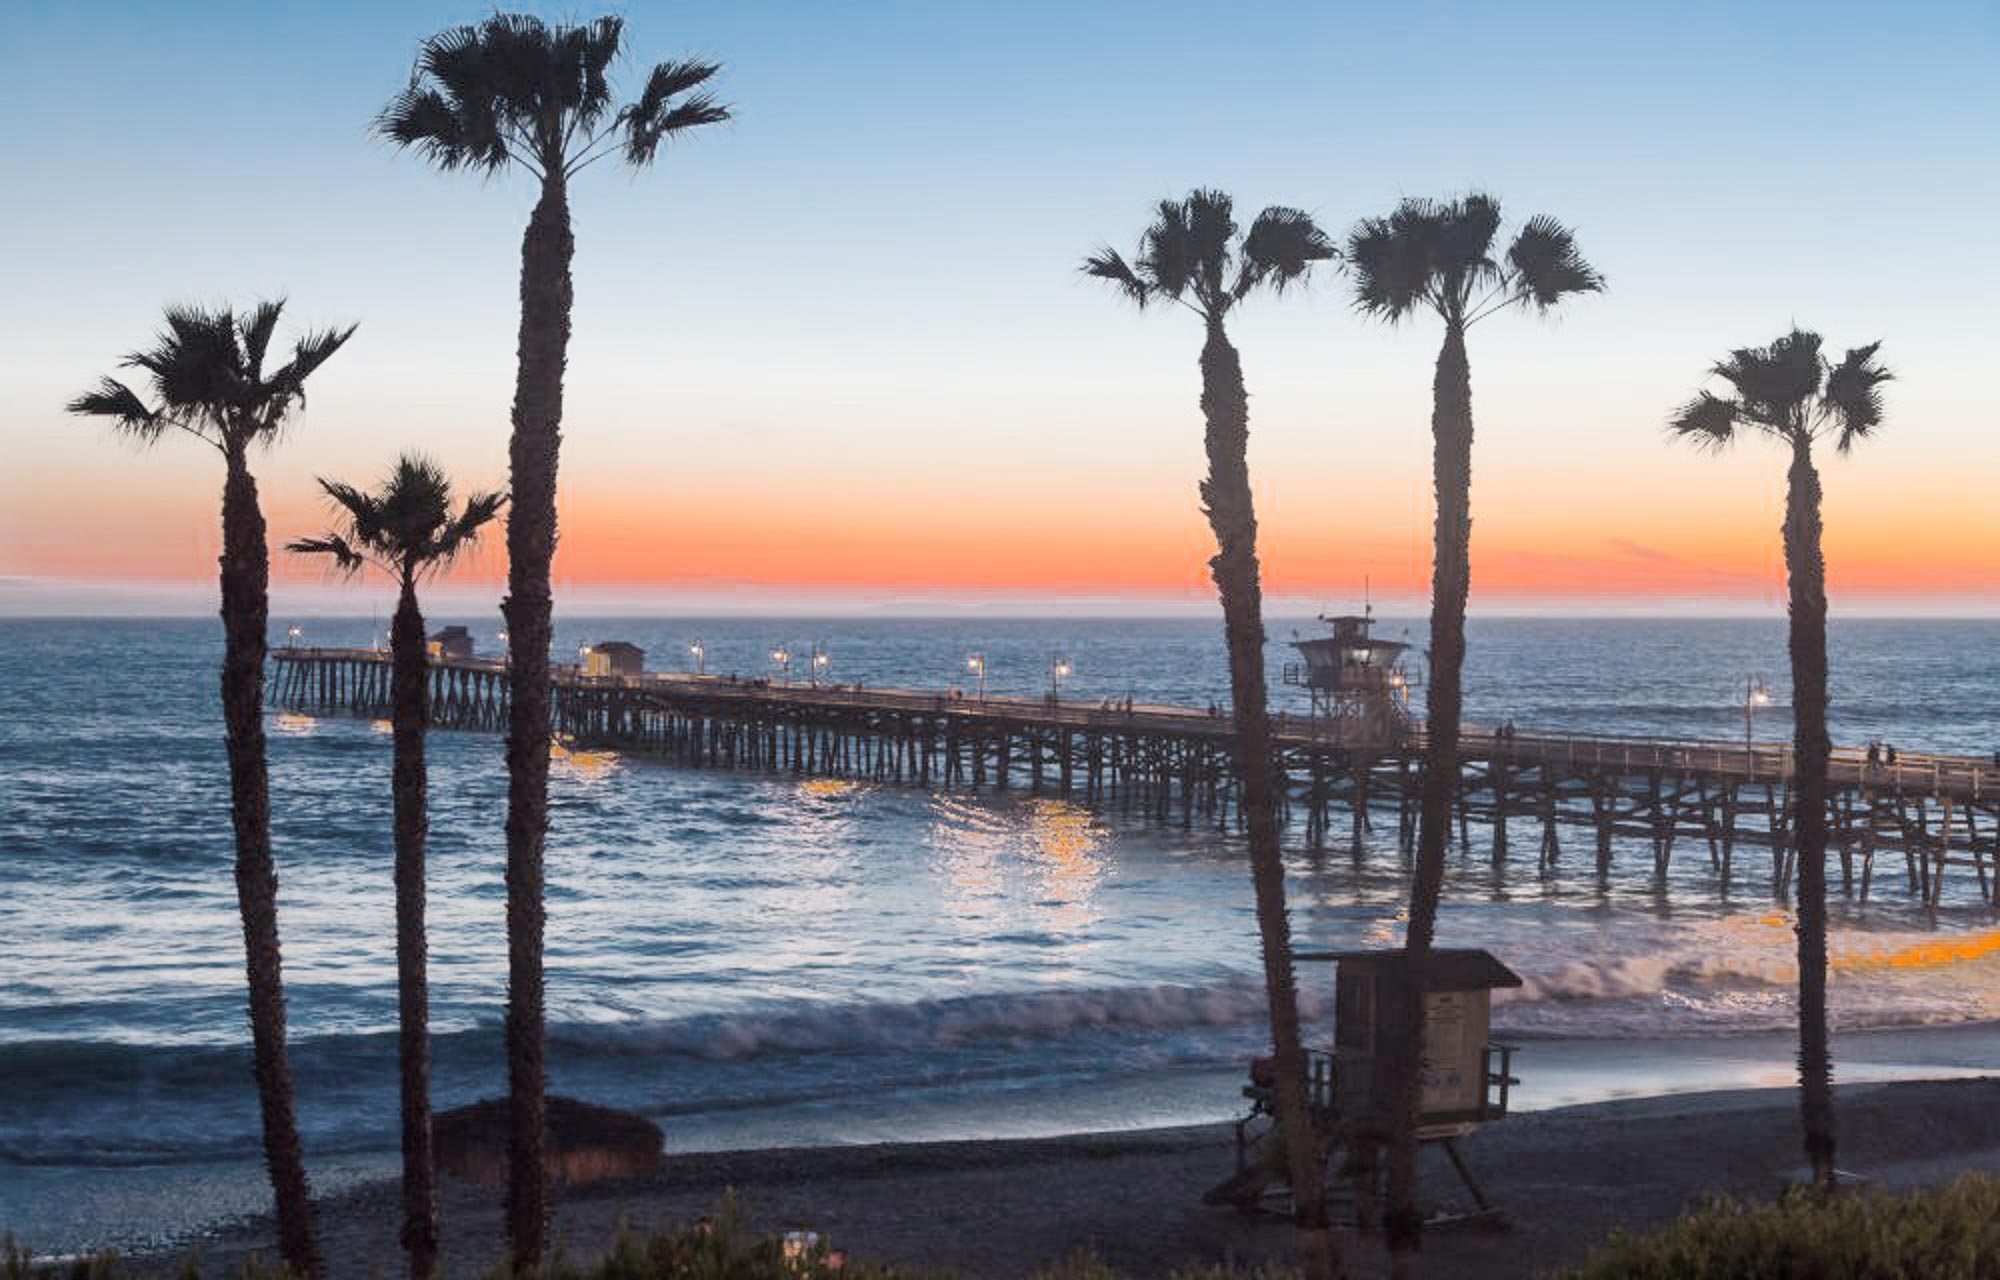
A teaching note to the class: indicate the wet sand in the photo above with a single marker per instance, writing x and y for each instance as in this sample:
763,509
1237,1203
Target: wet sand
1566,1178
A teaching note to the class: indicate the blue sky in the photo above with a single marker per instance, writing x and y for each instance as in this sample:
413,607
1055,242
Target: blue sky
864,287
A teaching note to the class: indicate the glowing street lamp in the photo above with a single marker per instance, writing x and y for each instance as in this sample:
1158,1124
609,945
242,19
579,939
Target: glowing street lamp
1059,671
506,650
292,637
783,657
821,660
976,664
1755,694
700,656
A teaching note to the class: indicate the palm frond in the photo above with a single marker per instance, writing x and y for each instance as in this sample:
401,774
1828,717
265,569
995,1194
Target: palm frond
1776,384
1391,261
255,332
128,413
415,502
662,110
1166,258
461,534
586,54
1546,267
196,364
1211,225
520,67
465,136
336,548
361,510
1853,394
1108,264
1463,247
1280,249
286,388
1708,421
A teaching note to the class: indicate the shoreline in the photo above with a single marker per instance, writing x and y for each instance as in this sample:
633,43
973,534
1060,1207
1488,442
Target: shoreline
1567,1176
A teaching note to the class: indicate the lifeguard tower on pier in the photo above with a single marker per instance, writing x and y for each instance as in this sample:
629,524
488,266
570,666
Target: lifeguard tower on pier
1360,693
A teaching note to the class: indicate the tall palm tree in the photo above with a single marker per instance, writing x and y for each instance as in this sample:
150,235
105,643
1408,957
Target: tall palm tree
209,381
1794,394
1439,256
514,92
408,531
1193,257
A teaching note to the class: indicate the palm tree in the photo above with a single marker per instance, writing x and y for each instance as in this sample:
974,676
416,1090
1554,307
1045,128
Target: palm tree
407,530
209,381
515,92
1192,256
1438,256
1793,393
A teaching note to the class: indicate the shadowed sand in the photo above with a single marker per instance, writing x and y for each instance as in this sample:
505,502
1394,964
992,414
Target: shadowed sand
1568,1177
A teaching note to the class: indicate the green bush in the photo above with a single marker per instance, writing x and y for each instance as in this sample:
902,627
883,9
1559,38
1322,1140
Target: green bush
718,1247
1938,1233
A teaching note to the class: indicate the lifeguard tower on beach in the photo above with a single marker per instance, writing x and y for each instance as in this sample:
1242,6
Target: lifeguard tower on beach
1360,692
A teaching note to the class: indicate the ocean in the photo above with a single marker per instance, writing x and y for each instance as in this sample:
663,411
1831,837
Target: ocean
759,960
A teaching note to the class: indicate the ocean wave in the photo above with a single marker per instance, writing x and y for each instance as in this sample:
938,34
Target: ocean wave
1622,977
927,1024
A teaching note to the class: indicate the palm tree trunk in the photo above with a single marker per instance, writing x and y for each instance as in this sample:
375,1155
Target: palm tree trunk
1451,581
1226,498
1806,568
546,250
410,783
246,572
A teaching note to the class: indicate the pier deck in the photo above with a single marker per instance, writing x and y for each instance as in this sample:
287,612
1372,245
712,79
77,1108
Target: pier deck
1937,817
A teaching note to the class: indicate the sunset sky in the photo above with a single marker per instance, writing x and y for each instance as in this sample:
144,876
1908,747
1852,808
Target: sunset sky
837,355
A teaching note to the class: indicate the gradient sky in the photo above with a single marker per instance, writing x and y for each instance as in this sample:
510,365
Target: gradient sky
836,354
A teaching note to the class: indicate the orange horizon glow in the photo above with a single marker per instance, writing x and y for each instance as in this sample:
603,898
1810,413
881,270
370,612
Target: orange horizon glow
733,541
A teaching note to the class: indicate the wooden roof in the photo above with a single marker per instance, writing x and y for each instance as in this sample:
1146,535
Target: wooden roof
1449,968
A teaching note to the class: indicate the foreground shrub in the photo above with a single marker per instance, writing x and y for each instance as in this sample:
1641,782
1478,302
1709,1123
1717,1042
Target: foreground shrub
1087,1266
717,1247
1934,1233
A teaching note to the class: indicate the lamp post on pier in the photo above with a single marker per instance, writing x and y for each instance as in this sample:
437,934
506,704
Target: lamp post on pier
292,638
1755,694
821,659
506,650
976,664
700,656
1059,670
783,658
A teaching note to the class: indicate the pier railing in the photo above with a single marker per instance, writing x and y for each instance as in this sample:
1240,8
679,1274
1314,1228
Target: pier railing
1936,811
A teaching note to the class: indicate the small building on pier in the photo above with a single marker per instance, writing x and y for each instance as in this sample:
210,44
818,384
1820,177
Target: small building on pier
452,644
613,658
1359,691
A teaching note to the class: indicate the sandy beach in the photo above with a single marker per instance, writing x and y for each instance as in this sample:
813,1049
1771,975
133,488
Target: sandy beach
1566,1177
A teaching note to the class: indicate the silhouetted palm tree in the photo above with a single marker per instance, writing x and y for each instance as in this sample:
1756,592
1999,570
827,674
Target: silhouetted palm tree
1192,256
209,381
1791,392
407,530
1438,256
515,92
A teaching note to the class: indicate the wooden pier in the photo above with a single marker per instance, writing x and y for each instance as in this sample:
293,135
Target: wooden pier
1912,827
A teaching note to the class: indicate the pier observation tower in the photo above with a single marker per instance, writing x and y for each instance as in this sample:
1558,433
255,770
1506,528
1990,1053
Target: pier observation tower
1360,693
